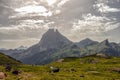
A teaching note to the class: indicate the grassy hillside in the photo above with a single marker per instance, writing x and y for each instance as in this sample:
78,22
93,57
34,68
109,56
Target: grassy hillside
4,59
88,68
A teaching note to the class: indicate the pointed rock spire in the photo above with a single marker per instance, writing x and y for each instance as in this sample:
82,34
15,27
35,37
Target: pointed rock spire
106,42
53,39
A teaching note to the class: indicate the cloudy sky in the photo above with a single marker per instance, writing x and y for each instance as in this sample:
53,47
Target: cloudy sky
22,22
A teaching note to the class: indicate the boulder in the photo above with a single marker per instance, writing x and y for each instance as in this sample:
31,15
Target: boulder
2,75
8,68
55,70
15,72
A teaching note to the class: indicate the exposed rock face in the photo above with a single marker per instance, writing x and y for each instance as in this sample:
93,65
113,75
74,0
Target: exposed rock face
21,48
2,75
110,49
53,39
86,42
102,55
105,43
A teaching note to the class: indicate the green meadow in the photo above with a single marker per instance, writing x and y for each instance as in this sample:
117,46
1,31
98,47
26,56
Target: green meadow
87,68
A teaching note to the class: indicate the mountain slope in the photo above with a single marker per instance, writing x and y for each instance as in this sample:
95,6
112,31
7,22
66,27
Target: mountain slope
21,48
54,46
4,59
52,41
111,49
119,44
86,42
105,47
14,53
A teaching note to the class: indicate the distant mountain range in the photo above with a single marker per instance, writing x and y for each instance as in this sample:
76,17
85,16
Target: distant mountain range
53,46
13,52
51,42
21,48
3,49
86,42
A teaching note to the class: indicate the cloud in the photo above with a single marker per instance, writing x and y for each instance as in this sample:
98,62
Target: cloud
5,12
91,24
11,44
38,10
104,8
29,19
49,2
62,2
31,9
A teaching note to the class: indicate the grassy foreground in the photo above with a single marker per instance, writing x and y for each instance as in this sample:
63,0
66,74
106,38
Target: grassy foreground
88,68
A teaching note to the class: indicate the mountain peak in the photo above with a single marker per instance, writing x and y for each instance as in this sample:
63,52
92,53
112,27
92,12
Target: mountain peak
21,48
106,42
52,30
86,42
87,39
53,39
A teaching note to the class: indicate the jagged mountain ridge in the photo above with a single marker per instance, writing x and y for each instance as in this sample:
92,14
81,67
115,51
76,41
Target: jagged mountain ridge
86,42
53,46
52,41
104,47
110,49
21,48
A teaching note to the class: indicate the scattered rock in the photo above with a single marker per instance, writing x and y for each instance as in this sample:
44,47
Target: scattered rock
15,72
94,61
8,68
116,70
60,60
101,55
67,70
94,72
55,70
82,76
2,75
73,70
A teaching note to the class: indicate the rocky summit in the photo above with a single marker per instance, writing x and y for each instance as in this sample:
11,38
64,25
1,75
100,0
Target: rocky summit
53,39
51,42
